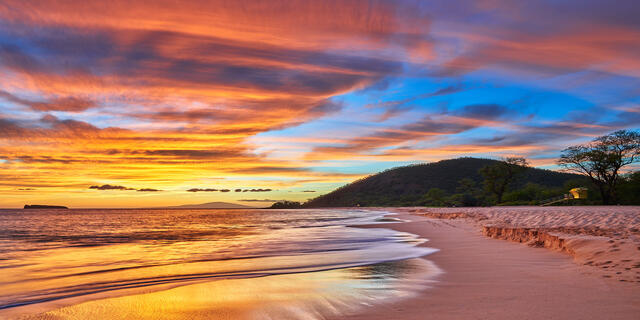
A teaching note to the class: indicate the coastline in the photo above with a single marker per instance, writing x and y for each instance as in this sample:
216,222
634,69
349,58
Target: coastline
472,276
347,271
487,278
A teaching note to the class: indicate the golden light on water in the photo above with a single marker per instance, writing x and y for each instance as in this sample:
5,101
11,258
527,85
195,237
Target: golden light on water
291,296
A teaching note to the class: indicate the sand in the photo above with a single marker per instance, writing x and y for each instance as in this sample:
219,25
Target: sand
487,278
606,238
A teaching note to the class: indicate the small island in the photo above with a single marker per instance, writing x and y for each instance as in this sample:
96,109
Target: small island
40,206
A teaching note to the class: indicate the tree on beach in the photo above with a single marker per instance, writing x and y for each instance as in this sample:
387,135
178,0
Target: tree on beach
498,176
602,159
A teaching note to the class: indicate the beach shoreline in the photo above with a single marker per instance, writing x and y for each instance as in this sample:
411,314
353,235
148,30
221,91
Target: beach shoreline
310,263
541,273
487,278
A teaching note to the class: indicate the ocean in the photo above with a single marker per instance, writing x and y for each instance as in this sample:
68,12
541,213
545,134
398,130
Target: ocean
189,264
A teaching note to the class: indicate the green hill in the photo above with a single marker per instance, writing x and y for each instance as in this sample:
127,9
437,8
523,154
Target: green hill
406,186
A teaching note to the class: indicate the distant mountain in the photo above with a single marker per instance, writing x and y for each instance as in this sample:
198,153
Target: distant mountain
404,186
212,205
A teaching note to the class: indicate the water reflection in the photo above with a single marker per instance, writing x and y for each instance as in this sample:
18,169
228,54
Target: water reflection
49,257
314,295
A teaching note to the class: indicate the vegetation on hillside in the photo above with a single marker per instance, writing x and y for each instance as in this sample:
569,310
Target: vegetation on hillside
484,182
456,182
286,205
498,176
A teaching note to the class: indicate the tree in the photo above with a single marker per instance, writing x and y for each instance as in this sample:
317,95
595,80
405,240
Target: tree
629,188
602,159
468,194
285,204
466,185
435,197
498,176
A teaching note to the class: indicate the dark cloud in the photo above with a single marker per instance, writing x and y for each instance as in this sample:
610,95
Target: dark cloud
12,57
258,200
545,37
483,111
69,104
193,154
444,91
309,191
575,125
228,190
431,125
10,129
110,187
116,187
396,107
260,190
269,170
147,62
50,127
43,159
427,127
202,190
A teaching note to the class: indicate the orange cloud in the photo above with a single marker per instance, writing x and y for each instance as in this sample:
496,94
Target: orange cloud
604,48
170,94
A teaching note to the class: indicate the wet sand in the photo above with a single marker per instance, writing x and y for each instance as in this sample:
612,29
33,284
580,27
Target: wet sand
487,278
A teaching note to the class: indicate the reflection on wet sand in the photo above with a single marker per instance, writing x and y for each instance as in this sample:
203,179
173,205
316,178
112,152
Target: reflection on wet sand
312,295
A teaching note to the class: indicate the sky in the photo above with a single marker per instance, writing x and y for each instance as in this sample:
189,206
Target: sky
153,103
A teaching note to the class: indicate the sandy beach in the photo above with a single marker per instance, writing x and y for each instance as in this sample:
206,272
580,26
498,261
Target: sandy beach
491,263
488,278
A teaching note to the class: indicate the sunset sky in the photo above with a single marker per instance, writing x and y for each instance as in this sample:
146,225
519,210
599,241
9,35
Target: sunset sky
145,100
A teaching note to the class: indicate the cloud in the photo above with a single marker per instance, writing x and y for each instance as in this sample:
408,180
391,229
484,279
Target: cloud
441,135
174,92
246,74
227,190
50,127
308,191
429,127
395,108
202,190
69,104
483,111
116,187
192,154
130,93
548,38
270,170
110,187
258,200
